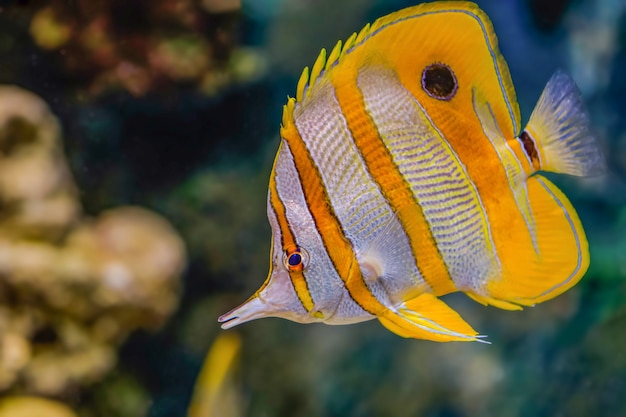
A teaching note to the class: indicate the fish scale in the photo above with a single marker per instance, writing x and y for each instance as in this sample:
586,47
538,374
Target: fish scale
394,187
328,142
358,204
439,192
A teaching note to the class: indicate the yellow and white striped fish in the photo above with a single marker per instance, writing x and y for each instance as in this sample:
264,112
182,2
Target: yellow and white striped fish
402,176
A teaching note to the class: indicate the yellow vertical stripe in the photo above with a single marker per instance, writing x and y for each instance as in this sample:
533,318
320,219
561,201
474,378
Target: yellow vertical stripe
528,166
335,243
394,188
297,277
478,67
510,233
517,166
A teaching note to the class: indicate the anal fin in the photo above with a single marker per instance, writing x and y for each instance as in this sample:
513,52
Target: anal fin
427,317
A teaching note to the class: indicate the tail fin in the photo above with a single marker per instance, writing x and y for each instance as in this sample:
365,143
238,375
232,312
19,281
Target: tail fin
560,132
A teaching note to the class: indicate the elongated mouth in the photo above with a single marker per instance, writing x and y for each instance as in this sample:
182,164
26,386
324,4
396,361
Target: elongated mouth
277,299
252,309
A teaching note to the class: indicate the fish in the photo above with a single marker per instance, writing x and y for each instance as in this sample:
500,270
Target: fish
403,174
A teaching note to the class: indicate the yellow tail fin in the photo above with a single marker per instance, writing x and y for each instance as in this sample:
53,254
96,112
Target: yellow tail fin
559,126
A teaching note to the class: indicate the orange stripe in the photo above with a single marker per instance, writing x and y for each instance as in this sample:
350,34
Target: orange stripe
510,234
333,237
392,184
287,239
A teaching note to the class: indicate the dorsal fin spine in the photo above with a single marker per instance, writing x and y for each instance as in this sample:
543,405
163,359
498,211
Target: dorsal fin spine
320,62
375,26
302,83
333,56
288,112
349,44
362,34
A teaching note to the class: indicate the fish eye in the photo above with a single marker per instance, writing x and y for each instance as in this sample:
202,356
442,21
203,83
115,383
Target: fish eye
439,82
296,258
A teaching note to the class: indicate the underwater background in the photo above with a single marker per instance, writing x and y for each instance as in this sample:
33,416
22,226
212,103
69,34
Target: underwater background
136,141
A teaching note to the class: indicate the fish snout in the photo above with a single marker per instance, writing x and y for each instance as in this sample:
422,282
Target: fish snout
277,299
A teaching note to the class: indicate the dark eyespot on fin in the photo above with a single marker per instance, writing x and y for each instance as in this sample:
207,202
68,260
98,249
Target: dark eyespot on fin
439,82
530,148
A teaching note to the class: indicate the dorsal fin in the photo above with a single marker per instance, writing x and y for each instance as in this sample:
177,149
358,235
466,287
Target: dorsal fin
288,113
323,63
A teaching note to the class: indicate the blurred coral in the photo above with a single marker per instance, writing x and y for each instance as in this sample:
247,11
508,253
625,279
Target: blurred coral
71,288
38,195
143,45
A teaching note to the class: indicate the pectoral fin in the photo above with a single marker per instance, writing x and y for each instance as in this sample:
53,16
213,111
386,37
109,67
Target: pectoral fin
427,317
